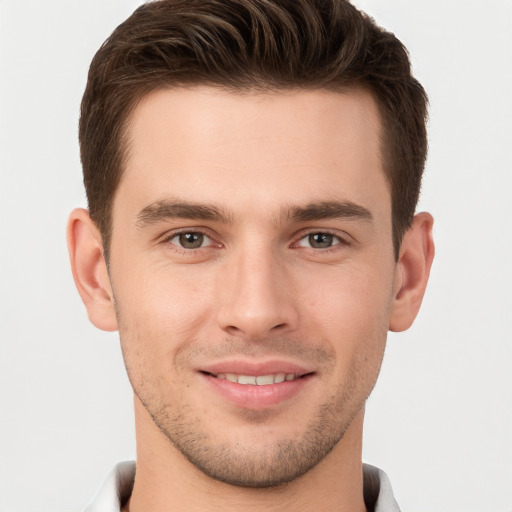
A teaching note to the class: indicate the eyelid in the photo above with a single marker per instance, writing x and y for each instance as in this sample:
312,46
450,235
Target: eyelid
169,235
204,242
344,238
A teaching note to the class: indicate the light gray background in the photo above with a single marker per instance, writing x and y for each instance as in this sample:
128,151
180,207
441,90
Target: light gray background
440,419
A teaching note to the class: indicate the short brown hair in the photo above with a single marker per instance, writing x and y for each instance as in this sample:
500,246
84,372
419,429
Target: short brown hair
251,45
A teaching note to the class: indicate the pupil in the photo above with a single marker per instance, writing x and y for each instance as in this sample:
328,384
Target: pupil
191,240
320,240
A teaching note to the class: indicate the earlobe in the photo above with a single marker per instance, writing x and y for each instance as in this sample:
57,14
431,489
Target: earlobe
412,272
90,270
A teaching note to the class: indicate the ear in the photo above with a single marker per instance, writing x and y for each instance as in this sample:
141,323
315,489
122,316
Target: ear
90,269
412,272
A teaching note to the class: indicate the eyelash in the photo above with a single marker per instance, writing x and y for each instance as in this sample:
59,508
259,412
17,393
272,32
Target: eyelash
341,241
182,250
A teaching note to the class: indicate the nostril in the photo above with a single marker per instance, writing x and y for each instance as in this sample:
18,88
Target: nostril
255,323
233,329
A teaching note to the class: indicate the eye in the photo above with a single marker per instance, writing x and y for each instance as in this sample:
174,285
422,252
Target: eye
320,240
190,240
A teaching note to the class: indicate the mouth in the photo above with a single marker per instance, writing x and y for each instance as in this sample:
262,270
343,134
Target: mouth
257,380
258,388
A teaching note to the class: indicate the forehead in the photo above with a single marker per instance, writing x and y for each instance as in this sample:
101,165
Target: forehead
254,150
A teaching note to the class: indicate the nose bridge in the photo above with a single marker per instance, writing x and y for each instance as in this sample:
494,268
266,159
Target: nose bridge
256,299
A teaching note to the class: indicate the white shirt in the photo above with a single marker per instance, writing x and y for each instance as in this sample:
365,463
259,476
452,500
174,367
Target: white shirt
118,484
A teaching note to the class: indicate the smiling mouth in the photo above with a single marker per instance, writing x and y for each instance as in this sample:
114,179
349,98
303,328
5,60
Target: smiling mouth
260,380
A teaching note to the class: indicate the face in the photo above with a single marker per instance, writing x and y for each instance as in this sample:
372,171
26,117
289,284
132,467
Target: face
253,273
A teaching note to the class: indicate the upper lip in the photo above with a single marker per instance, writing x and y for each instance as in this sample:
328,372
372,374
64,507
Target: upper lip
255,368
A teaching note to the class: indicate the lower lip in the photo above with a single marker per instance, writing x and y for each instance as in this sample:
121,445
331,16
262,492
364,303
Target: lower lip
256,397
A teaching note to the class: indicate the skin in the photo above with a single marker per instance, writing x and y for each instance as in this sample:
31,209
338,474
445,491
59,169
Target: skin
254,178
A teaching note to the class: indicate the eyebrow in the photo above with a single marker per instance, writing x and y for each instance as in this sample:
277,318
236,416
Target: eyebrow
329,210
168,209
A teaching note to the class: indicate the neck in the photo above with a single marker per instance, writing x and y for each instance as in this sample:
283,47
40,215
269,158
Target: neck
165,479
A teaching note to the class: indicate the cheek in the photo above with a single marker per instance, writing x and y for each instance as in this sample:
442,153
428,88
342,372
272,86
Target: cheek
351,313
158,315
164,304
348,299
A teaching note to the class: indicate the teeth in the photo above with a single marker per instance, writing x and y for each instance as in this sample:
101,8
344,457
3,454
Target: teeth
280,377
263,380
246,379
260,380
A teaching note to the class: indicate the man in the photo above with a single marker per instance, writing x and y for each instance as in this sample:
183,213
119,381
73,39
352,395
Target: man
252,170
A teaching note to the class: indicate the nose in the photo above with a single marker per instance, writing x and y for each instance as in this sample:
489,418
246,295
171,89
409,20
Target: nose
257,298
